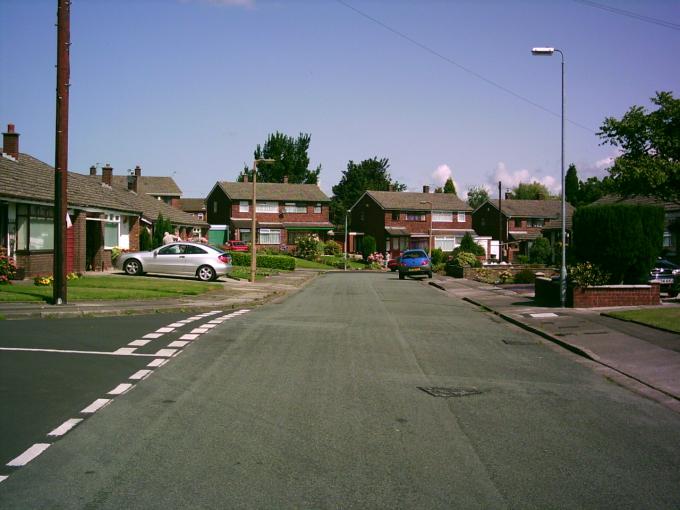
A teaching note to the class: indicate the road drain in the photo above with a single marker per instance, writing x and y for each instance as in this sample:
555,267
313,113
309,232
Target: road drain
436,391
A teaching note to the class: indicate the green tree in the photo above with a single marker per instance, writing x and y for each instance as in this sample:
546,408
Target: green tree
368,246
469,245
145,242
371,174
571,186
476,196
290,157
650,144
161,226
540,251
593,189
530,191
449,186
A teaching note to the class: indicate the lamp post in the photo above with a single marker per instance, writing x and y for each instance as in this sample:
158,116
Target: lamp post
563,270
253,230
429,236
347,212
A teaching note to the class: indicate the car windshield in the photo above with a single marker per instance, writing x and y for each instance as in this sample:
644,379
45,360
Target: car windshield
414,255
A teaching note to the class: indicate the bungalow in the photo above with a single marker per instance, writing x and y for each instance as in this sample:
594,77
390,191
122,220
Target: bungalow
285,212
404,220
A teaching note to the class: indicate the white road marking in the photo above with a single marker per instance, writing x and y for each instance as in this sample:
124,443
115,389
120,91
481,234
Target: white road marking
120,389
120,352
165,330
139,343
544,315
3,478
194,318
165,353
178,343
153,335
140,374
29,454
189,337
245,310
199,330
215,322
176,325
65,427
159,362
208,326
96,406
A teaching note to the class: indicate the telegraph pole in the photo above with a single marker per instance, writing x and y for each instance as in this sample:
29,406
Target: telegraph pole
500,226
61,150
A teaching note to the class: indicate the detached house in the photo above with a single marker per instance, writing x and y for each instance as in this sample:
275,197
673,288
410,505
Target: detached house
404,220
284,213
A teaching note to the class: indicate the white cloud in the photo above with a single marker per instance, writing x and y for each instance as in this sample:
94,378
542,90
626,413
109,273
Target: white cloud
441,175
511,178
604,163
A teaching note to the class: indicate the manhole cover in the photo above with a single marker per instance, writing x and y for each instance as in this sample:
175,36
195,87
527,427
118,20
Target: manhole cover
437,391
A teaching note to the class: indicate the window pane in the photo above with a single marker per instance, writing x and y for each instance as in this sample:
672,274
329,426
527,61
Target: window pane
110,235
42,234
270,236
22,233
461,217
244,235
442,216
243,206
267,207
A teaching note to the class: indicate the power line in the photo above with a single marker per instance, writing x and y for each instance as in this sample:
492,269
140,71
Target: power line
622,12
460,66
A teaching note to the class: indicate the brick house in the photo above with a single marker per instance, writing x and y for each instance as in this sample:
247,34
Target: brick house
520,222
159,187
285,212
404,220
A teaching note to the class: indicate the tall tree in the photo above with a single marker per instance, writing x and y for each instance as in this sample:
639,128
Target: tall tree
291,160
650,145
530,191
370,174
571,186
449,186
476,196
593,189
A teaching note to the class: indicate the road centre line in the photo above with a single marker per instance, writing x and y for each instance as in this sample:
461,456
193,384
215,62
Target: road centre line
189,336
199,330
3,478
153,335
158,362
165,330
65,427
176,325
96,405
208,326
165,353
120,352
29,454
120,389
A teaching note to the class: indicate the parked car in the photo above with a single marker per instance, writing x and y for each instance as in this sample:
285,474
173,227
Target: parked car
236,246
414,262
666,273
189,259
393,264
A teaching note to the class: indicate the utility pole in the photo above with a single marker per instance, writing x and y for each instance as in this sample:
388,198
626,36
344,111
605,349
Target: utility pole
500,226
61,150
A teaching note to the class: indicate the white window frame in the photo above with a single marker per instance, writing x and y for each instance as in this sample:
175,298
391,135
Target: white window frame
445,243
292,207
112,219
442,216
267,207
244,206
275,234
461,216
317,209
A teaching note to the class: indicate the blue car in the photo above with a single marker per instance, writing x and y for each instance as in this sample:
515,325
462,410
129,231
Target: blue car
414,262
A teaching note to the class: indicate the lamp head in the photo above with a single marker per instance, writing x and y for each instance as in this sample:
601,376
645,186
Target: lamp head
542,52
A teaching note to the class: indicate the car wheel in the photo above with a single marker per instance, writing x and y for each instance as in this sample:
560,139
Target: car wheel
206,274
133,267
402,276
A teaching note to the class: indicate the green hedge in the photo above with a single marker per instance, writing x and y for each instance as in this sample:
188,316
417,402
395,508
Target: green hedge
269,261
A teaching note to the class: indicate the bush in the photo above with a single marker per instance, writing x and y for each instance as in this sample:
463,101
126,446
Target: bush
541,251
521,259
468,244
587,274
332,248
624,238
285,262
368,247
309,247
484,275
437,256
43,281
145,241
161,226
8,269
525,276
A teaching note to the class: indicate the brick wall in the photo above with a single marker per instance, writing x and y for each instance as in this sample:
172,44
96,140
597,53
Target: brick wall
547,293
79,244
134,224
37,264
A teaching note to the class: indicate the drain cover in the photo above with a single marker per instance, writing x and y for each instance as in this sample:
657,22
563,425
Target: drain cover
436,391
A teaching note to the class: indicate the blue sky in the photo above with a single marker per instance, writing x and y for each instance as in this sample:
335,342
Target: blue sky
188,88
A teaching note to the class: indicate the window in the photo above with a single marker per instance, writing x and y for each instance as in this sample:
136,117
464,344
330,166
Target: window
171,249
411,216
461,216
535,222
35,227
270,236
194,250
244,206
199,215
445,243
215,206
667,239
295,208
244,235
267,207
443,216
111,231
395,215
317,208
518,222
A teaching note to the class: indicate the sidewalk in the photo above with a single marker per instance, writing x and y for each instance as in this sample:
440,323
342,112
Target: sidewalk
647,355
234,294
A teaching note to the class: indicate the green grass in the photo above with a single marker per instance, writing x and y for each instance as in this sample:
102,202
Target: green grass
666,318
243,272
94,288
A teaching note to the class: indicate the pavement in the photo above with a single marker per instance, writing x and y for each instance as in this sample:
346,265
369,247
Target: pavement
643,358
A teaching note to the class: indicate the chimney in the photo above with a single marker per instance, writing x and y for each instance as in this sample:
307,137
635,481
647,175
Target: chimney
10,142
508,195
93,170
138,171
245,177
107,174
426,188
132,181
285,179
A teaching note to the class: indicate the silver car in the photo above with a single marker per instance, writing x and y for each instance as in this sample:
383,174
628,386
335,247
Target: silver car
190,259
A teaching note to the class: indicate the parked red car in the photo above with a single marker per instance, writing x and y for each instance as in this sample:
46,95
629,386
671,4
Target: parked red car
393,264
236,246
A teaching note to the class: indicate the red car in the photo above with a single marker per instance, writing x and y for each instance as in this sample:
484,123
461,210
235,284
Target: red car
237,246
393,264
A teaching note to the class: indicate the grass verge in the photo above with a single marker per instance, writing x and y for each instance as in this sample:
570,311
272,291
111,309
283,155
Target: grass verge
664,318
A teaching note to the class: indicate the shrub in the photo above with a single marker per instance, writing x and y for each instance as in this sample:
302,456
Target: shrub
309,247
484,275
161,226
43,281
368,246
116,252
541,251
586,274
332,248
145,242
285,262
437,256
8,269
468,244
522,259
525,276
505,276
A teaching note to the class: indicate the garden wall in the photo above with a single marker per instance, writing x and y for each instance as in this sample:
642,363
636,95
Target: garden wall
547,293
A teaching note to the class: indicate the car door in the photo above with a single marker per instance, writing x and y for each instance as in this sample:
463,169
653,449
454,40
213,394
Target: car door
168,259
194,257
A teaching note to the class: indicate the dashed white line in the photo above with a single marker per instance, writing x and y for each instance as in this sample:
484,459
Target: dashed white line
65,427
96,406
165,330
178,343
176,325
139,343
165,353
209,326
3,478
140,374
153,335
125,350
29,454
120,389
159,362
199,330
120,352
189,336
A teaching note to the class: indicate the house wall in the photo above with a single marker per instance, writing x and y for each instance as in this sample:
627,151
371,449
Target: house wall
368,217
220,216
282,216
79,245
485,222
134,229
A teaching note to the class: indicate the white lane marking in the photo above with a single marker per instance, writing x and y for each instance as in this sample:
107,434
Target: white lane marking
3,478
120,352
245,310
139,343
165,353
125,350
178,343
159,362
65,427
96,405
543,315
120,389
165,330
195,318
153,335
209,326
215,322
189,337
140,374
176,325
29,454
199,330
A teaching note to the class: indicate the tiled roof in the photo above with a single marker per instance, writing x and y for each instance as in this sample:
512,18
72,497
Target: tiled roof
150,184
405,200
532,208
639,200
191,204
31,179
274,191
556,224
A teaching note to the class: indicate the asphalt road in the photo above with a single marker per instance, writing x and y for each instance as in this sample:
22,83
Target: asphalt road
314,402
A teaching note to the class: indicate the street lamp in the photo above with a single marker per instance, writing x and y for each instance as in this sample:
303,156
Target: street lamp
429,236
347,212
563,270
253,231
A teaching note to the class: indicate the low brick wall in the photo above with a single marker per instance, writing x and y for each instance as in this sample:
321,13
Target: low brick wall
547,293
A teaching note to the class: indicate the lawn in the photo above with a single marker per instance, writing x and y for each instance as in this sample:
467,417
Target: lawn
243,272
110,287
666,318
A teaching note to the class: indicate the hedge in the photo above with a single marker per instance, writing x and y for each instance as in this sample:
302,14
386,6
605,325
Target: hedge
268,261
